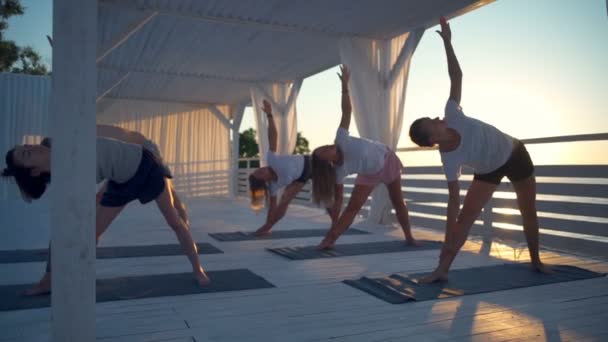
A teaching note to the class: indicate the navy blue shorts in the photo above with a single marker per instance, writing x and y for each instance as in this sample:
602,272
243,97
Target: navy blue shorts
146,185
518,167
306,171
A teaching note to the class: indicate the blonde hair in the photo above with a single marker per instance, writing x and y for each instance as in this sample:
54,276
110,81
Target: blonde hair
323,181
258,191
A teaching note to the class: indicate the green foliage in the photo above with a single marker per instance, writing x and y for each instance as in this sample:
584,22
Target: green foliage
248,146
301,145
14,58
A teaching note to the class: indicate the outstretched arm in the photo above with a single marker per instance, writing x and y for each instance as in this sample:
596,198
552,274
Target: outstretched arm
272,128
453,67
346,106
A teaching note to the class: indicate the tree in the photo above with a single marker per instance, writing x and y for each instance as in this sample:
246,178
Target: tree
301,145
11,55
248,146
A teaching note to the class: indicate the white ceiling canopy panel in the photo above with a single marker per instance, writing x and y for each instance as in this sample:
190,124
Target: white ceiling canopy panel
203,51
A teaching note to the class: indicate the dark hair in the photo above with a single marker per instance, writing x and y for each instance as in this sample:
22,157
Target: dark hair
32,187
419,135
46,142
323,181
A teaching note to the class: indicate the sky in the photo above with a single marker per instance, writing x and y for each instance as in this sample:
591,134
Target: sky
531,68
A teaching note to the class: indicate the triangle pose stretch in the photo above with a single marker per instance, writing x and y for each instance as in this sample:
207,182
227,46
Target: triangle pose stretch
131,171
492,154
373,162
283,171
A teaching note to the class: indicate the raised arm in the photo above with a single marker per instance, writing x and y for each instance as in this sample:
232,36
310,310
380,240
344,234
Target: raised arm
453,66
272,128
344,76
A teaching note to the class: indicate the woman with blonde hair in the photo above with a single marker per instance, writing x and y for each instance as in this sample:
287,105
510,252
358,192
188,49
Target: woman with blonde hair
374,163
290,172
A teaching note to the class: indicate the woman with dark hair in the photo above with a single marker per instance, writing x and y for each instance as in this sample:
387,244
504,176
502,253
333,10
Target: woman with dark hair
374,163
491,153
283,171
132,172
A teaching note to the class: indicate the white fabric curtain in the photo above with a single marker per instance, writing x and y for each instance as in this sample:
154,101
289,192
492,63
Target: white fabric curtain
282,97
24,103
379,74
192,140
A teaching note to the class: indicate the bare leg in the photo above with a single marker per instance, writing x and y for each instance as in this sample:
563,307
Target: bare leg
179,204
182,231
105,216
279,211
526,200
357,199
394,191
477,196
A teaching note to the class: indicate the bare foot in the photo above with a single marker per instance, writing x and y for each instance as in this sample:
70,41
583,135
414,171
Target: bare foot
436,276
263,231
202,278
42,288
325,244
412,242
542,268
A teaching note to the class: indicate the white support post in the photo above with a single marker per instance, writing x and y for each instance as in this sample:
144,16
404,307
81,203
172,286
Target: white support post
72,126
269,97
220,116
234,163
405,55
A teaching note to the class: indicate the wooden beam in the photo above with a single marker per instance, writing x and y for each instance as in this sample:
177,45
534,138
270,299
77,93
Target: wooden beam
220,116
124,36
138,69
410,45
231,20
116,84
73,167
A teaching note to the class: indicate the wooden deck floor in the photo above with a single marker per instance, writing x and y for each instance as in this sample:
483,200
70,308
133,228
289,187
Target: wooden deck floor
310,303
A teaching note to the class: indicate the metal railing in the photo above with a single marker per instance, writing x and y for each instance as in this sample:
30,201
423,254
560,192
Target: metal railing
572,200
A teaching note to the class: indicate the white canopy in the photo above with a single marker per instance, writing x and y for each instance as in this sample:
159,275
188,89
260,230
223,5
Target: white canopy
212,51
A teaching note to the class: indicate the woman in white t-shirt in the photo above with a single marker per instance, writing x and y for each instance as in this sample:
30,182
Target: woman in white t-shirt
131,171
492,154
374,163
283,171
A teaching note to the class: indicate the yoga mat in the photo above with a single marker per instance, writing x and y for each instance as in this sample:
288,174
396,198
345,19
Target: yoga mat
137,287
310,252
279,234
402,288
34,255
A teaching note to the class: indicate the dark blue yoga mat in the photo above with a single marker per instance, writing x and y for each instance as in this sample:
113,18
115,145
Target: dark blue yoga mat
364,248
34,255
137,287
402,288
279,234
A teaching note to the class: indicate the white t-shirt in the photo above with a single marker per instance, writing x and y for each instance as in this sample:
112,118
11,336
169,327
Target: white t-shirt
360,155
482,146
287,167
117,160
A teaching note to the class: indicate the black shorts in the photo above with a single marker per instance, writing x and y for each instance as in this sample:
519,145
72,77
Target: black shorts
306,171
518,167
147,184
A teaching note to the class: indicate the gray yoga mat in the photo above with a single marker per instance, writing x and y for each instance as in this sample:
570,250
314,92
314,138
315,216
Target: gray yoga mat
279,234
138,287
34,255
310,252
402,288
